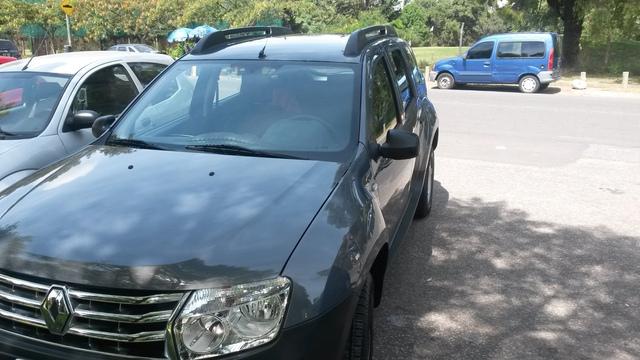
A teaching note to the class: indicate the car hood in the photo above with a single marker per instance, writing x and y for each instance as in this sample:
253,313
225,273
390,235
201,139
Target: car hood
8,145
449,60
160,220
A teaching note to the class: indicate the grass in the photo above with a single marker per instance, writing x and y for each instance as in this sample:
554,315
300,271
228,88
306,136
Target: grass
429,55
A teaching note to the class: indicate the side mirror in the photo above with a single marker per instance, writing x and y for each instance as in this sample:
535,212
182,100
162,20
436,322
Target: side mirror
400,145
82,119
464,56
102,124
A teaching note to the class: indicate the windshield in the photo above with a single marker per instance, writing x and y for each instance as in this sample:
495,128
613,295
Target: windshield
27,102
301,109
144,48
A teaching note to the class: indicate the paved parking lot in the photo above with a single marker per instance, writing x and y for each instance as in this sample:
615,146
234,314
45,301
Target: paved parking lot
533,247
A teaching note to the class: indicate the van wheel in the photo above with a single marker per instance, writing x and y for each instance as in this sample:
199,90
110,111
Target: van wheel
360,344
446,81
426,197
529,84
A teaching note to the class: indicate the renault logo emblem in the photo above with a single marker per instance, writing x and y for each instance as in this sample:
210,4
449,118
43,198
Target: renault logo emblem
56,310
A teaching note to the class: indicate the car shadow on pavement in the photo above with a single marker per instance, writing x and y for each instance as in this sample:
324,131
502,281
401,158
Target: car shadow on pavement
481,280
502,88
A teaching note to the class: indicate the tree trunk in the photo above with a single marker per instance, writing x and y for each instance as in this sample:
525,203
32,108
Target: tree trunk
571,40
572,19
608,51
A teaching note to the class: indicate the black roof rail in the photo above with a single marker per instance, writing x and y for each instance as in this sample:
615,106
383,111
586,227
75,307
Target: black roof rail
217,39
360,38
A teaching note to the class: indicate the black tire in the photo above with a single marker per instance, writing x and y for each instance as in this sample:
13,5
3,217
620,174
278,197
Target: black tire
360,344
426,197
446,81
529,84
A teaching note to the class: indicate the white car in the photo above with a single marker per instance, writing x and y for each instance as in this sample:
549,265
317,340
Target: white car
139,48
49,103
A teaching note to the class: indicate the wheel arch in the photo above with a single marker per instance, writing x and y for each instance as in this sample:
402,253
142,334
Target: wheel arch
527,74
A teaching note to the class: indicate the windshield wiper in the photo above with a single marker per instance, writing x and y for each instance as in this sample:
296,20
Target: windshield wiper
134,143
4,133
237,150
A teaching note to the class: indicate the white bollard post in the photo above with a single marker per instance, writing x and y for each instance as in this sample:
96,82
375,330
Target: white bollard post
625,79
583,76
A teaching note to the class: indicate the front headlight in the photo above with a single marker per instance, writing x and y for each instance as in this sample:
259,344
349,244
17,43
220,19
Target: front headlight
215,322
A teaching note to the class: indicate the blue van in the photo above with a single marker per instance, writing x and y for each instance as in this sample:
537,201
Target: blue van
530,60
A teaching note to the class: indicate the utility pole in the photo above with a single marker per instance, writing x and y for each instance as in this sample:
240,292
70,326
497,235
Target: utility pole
67,8
68,30
460,43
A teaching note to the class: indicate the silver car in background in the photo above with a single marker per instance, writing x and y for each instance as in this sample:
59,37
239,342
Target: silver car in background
47,109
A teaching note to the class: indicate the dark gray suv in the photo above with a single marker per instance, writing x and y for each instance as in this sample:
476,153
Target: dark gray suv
244,206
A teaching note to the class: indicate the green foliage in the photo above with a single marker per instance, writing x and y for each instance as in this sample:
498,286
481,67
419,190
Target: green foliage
422,22
412,25
623,57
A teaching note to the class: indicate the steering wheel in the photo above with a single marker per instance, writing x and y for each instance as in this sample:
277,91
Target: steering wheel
228,138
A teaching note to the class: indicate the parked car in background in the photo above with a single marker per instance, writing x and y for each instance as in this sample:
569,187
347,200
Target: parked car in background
531,60
244,206
137,48
8,48
47,109
6,59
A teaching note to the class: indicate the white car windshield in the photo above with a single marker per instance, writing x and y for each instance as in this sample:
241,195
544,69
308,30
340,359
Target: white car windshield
27,102
302,109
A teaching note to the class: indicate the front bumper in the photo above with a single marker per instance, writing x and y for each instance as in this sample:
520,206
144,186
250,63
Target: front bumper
322,338
546,77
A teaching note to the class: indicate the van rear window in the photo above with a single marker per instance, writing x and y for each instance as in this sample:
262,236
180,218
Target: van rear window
521,49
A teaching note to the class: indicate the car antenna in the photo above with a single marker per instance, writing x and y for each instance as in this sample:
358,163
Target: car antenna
262,55
34,54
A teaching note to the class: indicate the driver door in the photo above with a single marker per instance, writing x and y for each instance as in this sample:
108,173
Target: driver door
391,179
477,66
107,91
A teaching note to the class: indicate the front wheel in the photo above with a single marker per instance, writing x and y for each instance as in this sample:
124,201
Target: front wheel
529,84
446,81
360,345
426,197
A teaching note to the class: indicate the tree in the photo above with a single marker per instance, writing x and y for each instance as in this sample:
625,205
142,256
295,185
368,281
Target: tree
572,13
412,25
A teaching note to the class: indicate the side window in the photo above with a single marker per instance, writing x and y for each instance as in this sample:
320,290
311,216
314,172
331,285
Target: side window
401,76
382,109
121,48
107,91
533,49
145,72
417,75
509,50
521,49
131,49
229,82
481,51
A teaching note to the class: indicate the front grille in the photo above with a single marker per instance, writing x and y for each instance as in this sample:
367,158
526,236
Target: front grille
116,324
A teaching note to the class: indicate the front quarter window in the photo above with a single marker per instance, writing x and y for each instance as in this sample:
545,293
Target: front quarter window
300,109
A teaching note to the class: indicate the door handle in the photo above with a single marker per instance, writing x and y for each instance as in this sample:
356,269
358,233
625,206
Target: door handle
487,63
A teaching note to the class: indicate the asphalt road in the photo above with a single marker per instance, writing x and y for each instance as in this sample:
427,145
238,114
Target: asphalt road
533,247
